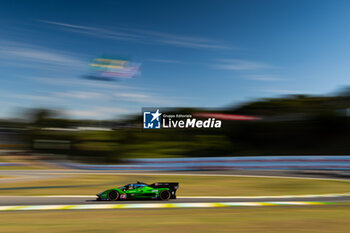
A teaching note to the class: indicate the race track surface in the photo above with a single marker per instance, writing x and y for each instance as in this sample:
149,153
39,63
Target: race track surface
20,175
71,200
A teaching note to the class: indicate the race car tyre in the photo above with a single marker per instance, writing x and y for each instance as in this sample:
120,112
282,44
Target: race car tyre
164,195
113,195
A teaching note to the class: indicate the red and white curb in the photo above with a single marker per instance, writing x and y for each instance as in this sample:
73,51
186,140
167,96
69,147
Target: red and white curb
159,205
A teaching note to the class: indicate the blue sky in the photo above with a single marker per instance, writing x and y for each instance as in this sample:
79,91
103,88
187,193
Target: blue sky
193,53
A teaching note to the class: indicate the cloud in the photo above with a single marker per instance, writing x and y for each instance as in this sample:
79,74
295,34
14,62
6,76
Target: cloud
98,112
153,98
192,43
79,95
30,97
95,91
264,77
164,61
139,98
182,40
237,64
66,25
141,36
108,85
104,91
18,53
63,81
94,31
133,95
284,91
86,90
37,55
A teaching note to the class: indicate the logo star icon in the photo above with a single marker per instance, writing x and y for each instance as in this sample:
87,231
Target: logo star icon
156,115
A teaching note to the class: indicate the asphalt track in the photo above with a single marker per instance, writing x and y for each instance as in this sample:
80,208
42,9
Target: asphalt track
77,200
86,200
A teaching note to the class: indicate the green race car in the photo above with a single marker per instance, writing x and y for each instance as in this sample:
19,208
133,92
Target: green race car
161,191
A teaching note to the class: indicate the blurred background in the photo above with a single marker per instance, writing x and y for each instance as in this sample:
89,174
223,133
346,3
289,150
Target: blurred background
290,125
75,76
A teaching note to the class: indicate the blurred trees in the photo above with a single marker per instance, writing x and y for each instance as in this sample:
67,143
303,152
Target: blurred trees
297,124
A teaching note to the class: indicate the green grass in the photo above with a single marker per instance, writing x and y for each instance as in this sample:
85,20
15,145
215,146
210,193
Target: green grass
23,167
189,185
327,219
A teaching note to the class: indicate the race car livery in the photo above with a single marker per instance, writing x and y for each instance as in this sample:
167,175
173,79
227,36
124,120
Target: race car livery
161,191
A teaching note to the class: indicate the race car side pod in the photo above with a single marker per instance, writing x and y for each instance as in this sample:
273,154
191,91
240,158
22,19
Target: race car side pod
171,185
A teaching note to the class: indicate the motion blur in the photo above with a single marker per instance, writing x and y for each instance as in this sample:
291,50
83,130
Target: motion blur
174,116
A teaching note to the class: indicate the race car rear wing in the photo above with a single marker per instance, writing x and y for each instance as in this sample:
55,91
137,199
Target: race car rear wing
173,186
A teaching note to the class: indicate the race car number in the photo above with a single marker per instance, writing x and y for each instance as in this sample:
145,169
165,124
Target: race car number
123,196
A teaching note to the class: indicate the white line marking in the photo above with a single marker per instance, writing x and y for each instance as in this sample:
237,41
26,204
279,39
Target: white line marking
155,205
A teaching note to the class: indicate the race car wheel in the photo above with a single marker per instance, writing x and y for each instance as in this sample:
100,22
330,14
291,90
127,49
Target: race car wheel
113,195
164,195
